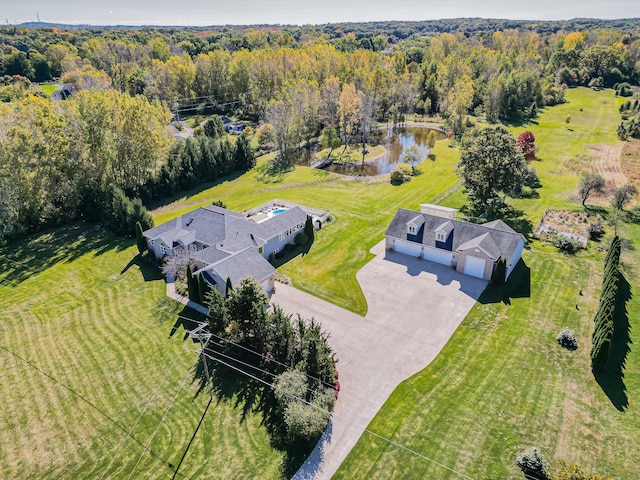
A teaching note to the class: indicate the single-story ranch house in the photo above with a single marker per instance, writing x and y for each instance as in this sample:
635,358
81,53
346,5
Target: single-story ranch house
226,244
472,249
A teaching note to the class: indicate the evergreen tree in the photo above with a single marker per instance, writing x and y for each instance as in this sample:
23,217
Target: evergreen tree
244,156
203,289
604,320
140,241
308,228
214,127
500,272
229,288
192,285
217,317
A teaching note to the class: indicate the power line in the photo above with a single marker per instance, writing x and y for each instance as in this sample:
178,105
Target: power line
261,355
146,446
151,398
435,462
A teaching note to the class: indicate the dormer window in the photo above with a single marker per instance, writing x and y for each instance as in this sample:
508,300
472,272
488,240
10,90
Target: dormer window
440,237
412,229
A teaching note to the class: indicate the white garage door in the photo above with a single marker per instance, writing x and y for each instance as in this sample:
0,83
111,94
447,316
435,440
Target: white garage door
408,248
474,267
437,256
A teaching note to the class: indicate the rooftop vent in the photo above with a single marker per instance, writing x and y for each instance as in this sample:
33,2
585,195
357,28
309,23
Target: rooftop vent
188,222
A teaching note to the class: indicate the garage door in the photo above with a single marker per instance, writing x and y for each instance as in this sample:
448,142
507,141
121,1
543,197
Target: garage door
437,256
474,267
408,248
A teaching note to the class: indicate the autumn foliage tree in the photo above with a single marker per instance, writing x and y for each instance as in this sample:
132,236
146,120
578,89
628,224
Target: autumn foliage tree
526,142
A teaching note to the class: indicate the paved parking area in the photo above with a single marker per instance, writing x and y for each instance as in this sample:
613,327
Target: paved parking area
414,308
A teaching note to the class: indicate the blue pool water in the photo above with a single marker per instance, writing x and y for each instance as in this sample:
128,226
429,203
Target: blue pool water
279,211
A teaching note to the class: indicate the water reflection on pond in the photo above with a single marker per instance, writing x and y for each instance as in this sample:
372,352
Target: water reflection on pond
397,141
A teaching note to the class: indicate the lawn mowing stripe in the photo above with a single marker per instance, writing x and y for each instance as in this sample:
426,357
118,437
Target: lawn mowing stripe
150,399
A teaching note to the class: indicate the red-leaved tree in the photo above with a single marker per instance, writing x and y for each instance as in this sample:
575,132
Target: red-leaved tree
527,144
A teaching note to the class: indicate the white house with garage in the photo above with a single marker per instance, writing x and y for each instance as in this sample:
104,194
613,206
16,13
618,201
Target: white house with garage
434,234
225,244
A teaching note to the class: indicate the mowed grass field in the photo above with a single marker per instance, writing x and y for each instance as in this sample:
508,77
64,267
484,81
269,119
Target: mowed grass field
502,384
92,385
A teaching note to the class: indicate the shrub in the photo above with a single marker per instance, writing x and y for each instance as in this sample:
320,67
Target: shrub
301,238
401,173
533,464
565,244
567,339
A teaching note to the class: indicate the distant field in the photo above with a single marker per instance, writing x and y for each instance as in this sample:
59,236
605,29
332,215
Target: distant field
502,384
49,88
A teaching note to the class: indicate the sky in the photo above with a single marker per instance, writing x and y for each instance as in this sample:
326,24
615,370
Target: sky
244,12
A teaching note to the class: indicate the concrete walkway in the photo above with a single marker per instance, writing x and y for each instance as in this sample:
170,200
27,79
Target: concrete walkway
414,308
171,293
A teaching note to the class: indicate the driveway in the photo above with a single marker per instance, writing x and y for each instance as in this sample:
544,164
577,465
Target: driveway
414,308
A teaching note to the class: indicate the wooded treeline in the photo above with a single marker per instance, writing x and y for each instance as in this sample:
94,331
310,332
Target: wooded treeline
59,159
88,157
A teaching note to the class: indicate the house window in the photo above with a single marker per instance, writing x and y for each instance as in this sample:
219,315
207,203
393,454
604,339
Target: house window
281,237
440,237
260,250
151,242
412,229
275,251
162,250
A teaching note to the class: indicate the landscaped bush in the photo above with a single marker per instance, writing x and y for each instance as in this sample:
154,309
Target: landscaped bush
533,464
401,174
301,238
567,339
595,229
565,244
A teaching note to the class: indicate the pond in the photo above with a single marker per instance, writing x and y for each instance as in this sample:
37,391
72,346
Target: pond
397,141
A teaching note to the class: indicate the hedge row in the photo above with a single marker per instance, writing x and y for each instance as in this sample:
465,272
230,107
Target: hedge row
603,329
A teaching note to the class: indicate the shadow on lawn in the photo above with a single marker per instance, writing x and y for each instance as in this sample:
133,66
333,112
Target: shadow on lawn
185,195
518,286
147,267
611,379
228,385
28,256
289,253
250,396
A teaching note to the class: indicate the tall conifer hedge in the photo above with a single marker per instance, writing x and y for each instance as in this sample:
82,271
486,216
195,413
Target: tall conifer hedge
603,323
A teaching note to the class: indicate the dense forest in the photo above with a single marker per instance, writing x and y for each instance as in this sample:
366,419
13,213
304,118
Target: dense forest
64,160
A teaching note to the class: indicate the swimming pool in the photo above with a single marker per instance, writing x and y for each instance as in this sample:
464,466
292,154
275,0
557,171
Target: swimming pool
279,211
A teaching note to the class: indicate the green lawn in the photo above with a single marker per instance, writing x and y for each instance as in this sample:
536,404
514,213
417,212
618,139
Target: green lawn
90,374
502,384
49,88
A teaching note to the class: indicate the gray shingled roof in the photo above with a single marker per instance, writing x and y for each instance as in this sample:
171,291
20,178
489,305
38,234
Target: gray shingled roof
233,239
446,227
207,222
275,225
506,241
499,225
210,255
245,263
484,242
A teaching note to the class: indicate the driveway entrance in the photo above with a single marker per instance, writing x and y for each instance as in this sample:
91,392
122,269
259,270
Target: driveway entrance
414,308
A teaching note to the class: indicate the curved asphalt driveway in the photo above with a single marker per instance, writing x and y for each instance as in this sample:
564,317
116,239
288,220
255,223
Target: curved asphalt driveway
414,308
